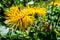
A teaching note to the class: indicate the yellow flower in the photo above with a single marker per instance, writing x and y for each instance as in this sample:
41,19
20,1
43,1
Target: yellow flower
36,10
18,17
41,11
56,2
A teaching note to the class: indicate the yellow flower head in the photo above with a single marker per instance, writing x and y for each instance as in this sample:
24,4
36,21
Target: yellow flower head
18,18
36,10
41,11
56,2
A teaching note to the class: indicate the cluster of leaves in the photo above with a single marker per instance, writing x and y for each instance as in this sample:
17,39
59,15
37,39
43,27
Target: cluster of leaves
54,18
